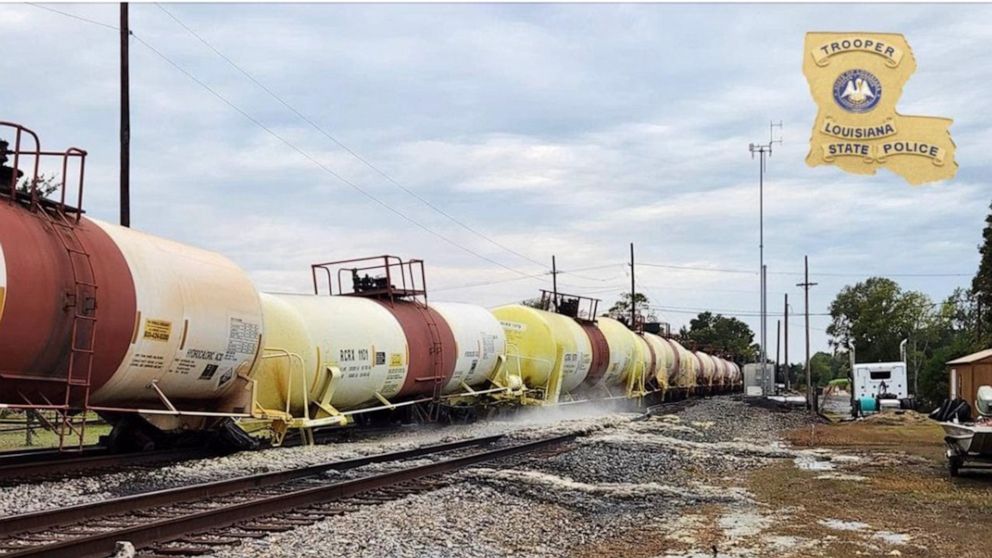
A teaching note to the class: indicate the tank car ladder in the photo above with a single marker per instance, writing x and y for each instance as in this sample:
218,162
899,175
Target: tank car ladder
82,302
437,371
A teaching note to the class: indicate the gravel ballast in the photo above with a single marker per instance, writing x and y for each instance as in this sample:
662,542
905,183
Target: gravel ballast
621,477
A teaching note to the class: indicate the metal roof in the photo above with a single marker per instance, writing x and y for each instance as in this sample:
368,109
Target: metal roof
974,357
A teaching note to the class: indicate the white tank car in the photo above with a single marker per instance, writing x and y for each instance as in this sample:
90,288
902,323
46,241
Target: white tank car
623,351
664,359
480,342
198,323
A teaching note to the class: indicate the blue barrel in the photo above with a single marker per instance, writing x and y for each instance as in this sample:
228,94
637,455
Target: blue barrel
868,405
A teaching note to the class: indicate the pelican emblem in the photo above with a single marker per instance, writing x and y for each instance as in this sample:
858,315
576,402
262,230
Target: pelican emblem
857,91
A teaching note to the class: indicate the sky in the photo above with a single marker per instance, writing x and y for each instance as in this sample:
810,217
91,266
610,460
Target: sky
555,129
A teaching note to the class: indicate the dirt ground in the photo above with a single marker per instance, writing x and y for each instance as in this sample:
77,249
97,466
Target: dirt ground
906,489
875,487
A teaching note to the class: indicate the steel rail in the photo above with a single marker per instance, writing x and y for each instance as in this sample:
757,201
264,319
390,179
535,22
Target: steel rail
35,462
141,536
11,525
25,455
37,465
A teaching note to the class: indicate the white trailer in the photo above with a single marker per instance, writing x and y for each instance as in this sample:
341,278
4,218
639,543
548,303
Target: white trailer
876,386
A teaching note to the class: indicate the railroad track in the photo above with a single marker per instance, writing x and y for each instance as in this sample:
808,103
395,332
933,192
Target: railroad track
193,520
36,455
44,464
48,466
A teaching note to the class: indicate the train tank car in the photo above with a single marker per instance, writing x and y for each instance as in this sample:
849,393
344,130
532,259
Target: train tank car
707,369
378,346
686,367
623,355
550,353
665,363
102,318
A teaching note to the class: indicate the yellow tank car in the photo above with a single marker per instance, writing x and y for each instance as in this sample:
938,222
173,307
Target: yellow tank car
550,353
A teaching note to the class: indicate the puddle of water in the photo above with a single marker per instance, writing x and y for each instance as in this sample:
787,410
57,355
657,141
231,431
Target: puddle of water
892,538
783,542
813,463
841,476
742,524
841,525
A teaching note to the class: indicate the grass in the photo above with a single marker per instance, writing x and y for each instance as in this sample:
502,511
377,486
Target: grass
12,439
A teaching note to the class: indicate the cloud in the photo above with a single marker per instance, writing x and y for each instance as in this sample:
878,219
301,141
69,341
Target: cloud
570,130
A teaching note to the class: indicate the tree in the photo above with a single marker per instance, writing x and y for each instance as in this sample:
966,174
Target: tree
825,367
44,185
533,303
981,285
621,308
876,315
950,334
723,335
819,365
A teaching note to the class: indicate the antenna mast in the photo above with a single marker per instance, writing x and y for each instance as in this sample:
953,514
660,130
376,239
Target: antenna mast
764,150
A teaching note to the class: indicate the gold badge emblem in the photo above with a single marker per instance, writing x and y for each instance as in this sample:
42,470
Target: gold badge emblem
856,80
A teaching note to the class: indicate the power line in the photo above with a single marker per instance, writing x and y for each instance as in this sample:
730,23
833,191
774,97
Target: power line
799,273
74,16
289,144
535,275
342,145
725,311
487,283
316,162
694,268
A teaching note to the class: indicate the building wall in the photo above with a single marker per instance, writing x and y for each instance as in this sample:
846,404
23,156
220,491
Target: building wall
970,377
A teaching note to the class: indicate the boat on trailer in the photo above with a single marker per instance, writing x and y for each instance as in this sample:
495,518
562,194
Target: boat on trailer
970,442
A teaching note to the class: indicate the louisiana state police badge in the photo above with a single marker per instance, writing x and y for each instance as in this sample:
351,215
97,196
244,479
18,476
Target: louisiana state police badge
856,80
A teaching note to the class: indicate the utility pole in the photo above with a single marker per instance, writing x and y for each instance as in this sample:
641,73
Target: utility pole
810,396
770,377
778,345
788,369
554,284
978,321
633,291
125,122
764,150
